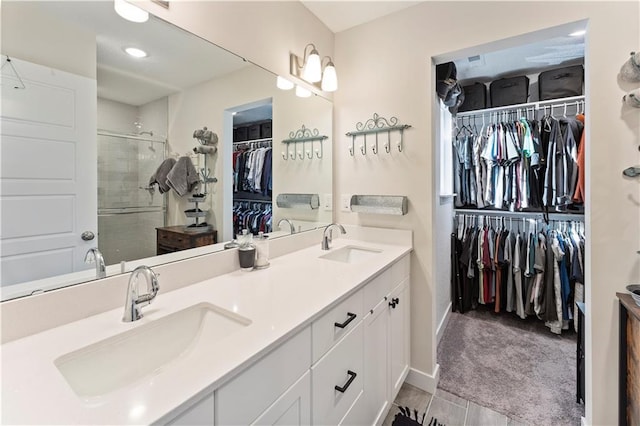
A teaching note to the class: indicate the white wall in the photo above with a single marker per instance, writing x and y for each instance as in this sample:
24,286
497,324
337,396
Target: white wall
30,35
401,84
264,32
155,117
116,116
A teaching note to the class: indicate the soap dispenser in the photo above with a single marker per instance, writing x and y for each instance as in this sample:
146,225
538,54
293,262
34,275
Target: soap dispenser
246,251
262,251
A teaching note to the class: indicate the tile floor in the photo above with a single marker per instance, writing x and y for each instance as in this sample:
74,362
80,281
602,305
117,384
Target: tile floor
448,409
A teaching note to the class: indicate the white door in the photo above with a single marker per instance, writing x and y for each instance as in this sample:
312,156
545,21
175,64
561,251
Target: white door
399,337
48,172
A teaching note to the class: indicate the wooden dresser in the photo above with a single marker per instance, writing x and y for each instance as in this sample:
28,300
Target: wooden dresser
629,364
175,238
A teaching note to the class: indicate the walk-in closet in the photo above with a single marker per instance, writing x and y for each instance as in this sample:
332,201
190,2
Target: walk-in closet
512,196
252,160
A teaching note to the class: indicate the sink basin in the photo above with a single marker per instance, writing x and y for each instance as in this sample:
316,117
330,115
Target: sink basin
350,254
128,357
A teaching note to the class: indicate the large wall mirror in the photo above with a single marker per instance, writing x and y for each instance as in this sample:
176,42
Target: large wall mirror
86,127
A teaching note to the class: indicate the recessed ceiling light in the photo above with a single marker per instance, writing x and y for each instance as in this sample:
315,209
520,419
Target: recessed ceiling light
135,52
578,33
130,12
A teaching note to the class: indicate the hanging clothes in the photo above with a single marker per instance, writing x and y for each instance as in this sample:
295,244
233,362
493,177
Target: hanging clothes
253,216
252,169
521,164
521,269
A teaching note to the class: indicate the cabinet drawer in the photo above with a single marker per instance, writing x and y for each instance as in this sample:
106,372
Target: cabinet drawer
326,331
336,369
170,239
245,397
378,288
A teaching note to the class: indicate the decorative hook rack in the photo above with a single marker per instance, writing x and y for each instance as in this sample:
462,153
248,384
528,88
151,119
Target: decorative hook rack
302,136
375,126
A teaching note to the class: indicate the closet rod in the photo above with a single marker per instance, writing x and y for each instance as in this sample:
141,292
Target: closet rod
252,141
570,101
579,217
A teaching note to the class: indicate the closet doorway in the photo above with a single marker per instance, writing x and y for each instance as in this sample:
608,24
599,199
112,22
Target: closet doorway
505,331
248,159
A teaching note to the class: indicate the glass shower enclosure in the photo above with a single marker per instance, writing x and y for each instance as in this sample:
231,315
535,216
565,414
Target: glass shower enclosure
129,210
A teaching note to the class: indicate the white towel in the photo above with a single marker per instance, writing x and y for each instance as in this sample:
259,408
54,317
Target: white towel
160,176
183,177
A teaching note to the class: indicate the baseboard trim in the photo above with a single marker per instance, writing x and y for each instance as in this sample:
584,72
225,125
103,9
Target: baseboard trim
443,323
424,381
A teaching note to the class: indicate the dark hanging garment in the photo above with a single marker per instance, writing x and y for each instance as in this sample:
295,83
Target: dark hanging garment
465,259
550,313
456,279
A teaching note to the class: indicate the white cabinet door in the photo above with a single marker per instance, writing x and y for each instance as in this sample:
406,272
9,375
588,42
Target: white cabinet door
293,408
201,413
399,337
376,389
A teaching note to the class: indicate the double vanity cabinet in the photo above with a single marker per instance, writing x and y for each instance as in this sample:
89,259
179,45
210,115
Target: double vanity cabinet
320,337
346,367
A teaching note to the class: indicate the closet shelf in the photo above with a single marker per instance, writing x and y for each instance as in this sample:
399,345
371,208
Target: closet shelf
252,141
578,216
537,105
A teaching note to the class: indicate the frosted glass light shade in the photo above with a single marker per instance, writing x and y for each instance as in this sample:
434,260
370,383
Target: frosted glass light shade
312,71
302,92
284,84
130,12
329,78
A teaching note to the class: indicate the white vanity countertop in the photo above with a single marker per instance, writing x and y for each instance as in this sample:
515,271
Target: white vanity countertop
279,300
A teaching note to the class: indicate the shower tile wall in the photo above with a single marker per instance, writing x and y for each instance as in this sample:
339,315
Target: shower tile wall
124,168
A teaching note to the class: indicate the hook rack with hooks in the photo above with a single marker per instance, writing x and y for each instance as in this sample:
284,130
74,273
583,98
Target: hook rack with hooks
302,136
375,126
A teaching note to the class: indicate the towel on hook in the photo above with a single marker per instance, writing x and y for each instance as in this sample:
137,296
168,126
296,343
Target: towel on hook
160,176
183,177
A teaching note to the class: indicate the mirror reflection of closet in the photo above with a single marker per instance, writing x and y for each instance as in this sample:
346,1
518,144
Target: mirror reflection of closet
252,161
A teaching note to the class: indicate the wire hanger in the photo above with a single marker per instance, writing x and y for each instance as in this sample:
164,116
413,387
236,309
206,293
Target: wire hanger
15,73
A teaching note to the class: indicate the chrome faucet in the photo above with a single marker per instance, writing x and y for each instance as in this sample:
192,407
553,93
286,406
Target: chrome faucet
135,301
291,227
326,237
94,256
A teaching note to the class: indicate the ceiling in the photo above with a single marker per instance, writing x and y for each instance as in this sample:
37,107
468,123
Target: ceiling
553,51
177,59
341,15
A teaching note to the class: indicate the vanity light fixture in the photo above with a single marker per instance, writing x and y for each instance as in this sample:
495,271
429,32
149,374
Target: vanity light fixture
302,92
130,12
329,76
284,84
135,52
310,69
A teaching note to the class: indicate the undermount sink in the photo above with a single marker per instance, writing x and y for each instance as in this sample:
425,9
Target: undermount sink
350,254
126,358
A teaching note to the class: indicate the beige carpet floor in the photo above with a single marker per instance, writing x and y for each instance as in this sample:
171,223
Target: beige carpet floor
515,367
